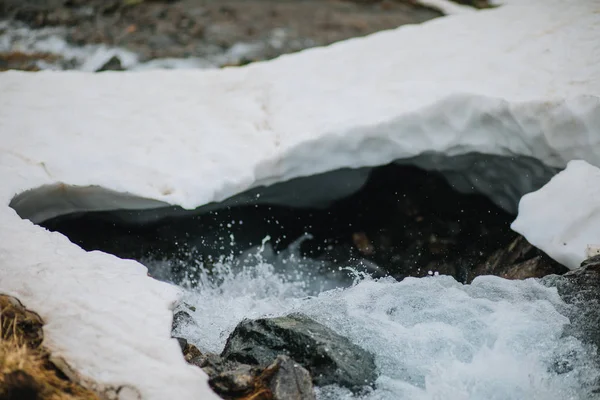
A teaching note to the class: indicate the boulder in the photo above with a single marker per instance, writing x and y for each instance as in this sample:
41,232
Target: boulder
330,357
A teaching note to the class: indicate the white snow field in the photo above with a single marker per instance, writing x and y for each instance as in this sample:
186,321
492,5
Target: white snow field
521,80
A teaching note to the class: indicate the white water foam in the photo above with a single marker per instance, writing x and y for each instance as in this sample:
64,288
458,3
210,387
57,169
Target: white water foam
433,338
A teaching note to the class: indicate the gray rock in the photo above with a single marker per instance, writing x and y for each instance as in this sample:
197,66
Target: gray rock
330,358
190,352
284,379
237,382
580,289
113,64
213,364
181,319
290,381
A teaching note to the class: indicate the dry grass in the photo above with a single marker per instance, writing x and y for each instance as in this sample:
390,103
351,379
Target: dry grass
25,370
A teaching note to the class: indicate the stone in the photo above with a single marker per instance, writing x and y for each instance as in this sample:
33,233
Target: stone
518,260
190,352
113,64
284,379
213,364
182,318
330,357
536,267
580,289
290,381
236,382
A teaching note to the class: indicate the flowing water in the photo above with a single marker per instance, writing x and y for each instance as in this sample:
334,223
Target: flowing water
433,338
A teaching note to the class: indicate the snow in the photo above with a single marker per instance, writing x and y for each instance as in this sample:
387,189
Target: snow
521,81
447,7
564,216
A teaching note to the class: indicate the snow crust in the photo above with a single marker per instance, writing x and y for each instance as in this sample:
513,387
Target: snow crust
518,81
563,217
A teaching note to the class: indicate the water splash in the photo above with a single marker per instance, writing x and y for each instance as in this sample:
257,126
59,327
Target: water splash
433,338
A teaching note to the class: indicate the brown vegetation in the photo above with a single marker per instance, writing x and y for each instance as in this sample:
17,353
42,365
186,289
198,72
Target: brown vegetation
25,370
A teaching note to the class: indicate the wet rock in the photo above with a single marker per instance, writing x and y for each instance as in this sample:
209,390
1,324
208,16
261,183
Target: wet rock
580,289
330,358
237,382
289,381
284,379
518,260
113,64
190,352
212,364
537,267
182,318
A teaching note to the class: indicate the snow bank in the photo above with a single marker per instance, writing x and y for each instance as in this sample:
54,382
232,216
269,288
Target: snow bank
564,216
518,81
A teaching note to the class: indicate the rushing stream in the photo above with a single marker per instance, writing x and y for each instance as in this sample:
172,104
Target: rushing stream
433,338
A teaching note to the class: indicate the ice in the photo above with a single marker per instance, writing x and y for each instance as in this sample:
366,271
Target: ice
433,338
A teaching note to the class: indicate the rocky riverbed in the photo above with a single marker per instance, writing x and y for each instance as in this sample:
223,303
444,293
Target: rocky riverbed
206,33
